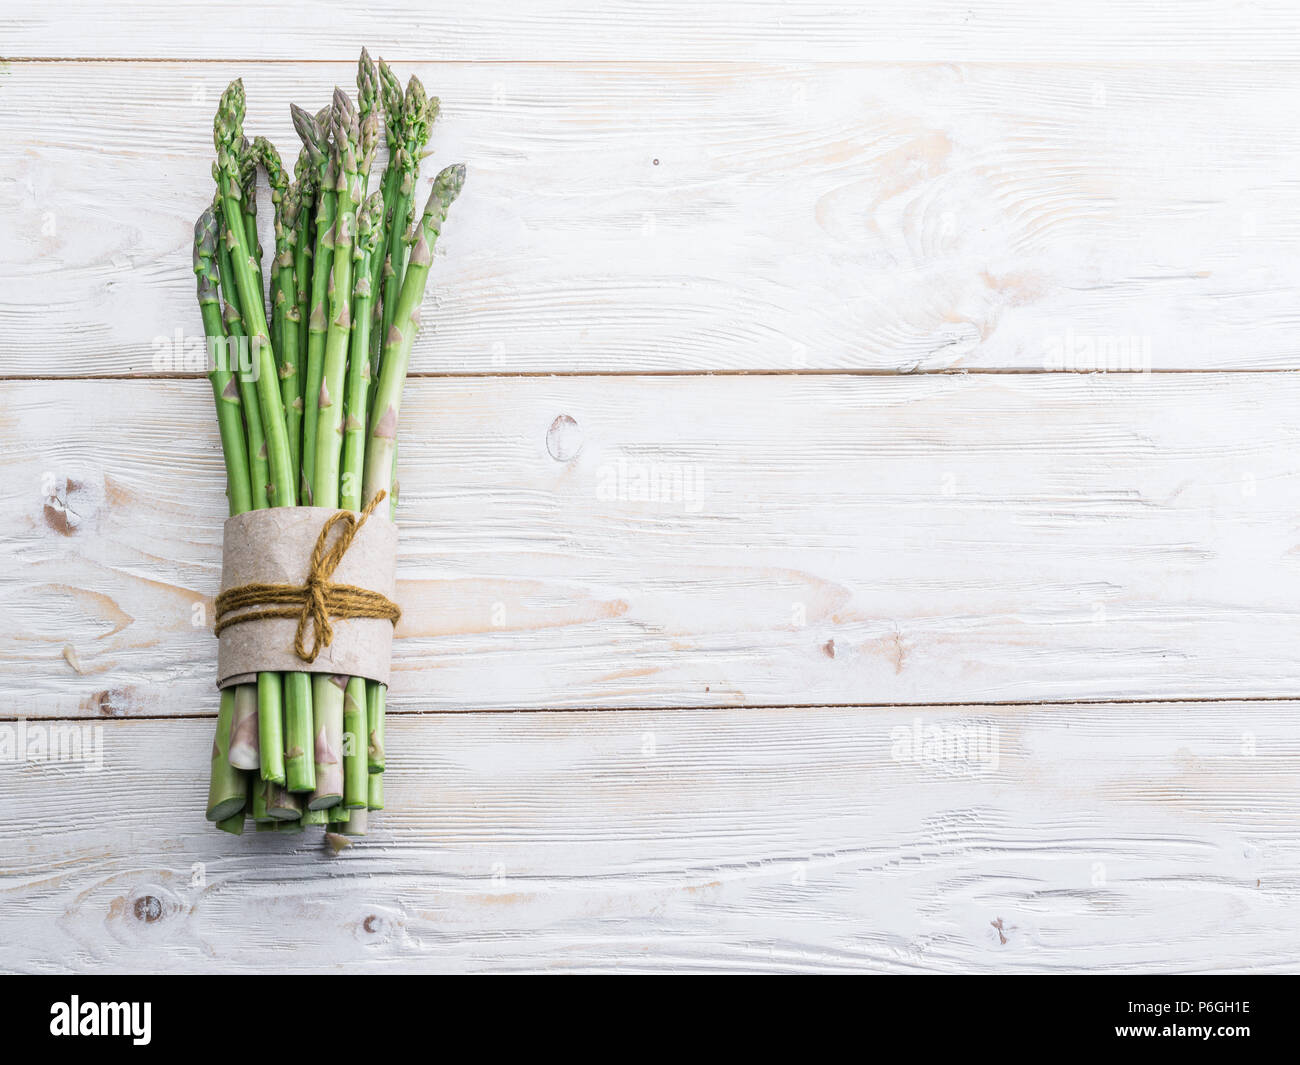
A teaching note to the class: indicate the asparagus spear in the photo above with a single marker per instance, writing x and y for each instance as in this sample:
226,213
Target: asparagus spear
228,787
327,691
258,707
391,93
381,445
401,336
227,135
355,727
368,86
419,111
307,179
299,766
391,89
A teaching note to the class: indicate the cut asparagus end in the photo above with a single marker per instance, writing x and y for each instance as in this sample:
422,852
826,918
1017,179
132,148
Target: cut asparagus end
226,808
282,804
234,824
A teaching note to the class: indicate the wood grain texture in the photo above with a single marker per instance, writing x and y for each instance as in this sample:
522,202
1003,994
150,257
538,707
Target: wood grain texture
1089,838
692,541
1049,31
722,217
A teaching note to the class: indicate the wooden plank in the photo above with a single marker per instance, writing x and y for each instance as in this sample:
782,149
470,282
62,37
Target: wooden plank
1085,838
1051,31
691,541
650,218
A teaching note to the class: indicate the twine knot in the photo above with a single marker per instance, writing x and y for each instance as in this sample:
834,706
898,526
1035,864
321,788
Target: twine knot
318,599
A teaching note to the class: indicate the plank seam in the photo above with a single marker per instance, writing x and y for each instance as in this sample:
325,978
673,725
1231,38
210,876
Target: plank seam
1170,700
472,375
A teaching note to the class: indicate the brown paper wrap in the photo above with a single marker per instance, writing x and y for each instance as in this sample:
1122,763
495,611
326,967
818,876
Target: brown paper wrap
274,546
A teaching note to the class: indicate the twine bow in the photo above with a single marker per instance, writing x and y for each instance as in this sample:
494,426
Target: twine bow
319,599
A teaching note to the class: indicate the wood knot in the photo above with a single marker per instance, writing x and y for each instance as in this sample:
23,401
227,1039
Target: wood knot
564,439
148,908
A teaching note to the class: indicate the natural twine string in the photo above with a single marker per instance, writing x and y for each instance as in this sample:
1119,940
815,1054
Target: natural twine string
319,599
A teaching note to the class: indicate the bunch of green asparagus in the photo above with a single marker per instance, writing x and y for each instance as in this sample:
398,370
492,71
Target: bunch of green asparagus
308,363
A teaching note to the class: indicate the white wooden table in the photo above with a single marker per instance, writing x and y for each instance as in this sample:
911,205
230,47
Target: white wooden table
775,597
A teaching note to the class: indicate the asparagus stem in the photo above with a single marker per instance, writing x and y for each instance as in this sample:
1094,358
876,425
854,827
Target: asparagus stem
375,792
338,815
369,225
258,468
328,746
357,822
314,131
299,760
245,743
260,792
227,787
356,771
283,292
376,697
270,726
315,817
248,189
225,390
